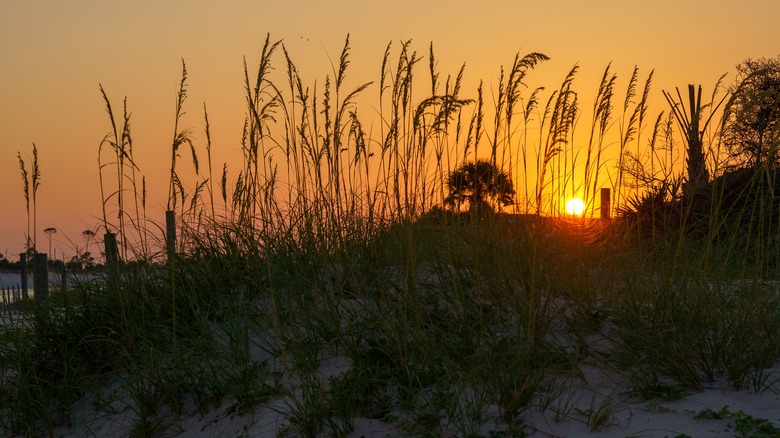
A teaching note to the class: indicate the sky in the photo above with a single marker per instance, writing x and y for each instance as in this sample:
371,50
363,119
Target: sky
55,55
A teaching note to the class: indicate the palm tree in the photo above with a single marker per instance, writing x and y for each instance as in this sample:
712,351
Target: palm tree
694,125
477,184
88,235
49,231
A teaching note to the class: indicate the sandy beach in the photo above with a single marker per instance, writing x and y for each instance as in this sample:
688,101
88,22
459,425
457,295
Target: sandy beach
743,413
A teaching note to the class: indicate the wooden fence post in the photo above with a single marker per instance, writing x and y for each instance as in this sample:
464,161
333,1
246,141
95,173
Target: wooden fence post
112,261
64,279
605,203
23,267
170,233
112,253
40,277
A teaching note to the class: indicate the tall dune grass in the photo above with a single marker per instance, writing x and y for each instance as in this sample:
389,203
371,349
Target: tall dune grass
329,244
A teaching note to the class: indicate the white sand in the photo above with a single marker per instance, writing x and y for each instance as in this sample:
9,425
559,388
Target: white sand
628,416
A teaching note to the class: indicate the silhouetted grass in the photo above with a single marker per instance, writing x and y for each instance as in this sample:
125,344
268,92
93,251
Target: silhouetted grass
330,246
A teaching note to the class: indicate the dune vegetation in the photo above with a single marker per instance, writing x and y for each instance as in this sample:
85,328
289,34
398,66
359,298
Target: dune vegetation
420,270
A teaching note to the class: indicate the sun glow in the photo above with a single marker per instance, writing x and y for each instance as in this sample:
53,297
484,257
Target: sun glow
575,207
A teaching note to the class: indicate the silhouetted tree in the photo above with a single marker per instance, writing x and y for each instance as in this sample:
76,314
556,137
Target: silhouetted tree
751,122
477,184
49,231
693,125
6,264
88,236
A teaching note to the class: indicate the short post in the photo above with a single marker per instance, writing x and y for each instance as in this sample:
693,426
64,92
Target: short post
40,277
112,253
170,233
23,267
605,203
64,280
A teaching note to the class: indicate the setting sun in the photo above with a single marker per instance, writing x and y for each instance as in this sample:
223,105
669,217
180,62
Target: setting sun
575,207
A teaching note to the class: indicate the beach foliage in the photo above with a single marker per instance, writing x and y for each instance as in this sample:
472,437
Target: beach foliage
330,284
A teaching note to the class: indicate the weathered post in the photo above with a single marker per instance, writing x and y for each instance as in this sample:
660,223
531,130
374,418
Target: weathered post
64,279
23,268
170,234
605,203
112,254
40,277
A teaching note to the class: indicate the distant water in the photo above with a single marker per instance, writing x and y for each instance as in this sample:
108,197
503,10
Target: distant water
15,279
10,280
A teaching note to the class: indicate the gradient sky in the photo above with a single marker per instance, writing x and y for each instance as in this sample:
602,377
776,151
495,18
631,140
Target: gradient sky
54,55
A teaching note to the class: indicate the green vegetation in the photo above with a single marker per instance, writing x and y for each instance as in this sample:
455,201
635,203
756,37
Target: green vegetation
329,284
744,425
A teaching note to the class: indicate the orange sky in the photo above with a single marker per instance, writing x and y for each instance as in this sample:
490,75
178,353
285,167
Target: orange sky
54,55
